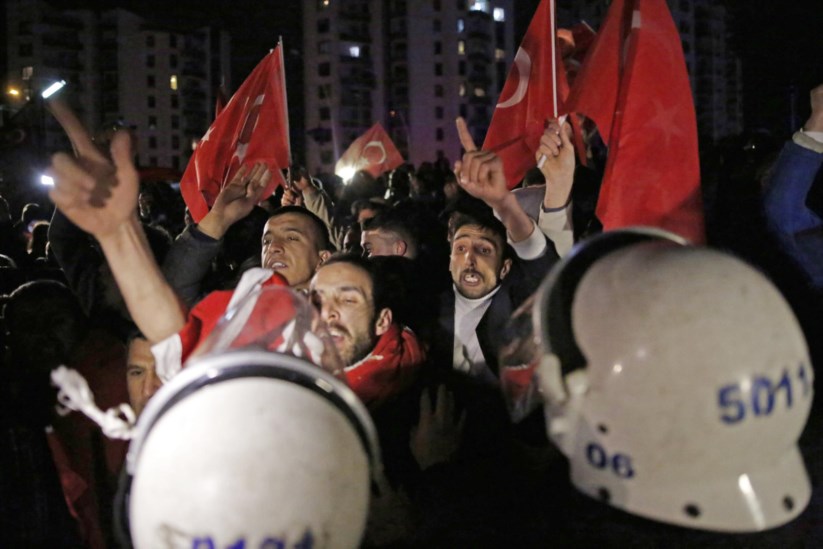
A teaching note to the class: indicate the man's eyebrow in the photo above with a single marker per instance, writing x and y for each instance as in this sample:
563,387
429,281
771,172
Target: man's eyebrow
357,289
340,289
484,238
297,230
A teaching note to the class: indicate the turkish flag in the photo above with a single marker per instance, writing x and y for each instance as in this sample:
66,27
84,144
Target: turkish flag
253,127
635,87
527,100
374,151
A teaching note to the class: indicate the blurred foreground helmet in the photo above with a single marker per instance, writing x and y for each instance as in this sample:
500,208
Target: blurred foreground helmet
246,447
677,382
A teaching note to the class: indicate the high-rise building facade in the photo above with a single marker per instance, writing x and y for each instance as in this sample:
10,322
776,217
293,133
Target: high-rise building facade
120,69
714,70
412,65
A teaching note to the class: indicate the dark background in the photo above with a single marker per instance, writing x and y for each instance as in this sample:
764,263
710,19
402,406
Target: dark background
780,44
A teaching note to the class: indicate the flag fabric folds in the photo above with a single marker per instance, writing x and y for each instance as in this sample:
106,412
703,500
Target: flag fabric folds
374,151
253,127
526,101
634,85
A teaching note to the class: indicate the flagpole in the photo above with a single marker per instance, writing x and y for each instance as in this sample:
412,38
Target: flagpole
553,27
553,31
285,95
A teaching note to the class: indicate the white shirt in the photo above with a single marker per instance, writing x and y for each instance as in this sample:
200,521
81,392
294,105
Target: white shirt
467,355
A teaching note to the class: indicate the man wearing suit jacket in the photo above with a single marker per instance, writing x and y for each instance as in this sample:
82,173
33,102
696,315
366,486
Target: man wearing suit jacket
498,258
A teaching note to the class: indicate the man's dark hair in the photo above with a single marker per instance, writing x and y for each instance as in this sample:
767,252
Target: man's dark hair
392,220
319,225
361,204
383,294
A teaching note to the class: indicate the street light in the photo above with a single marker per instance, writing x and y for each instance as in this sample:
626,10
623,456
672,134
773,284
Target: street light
14,92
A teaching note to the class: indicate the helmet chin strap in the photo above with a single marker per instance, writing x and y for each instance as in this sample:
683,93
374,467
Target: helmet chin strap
563,398
75,395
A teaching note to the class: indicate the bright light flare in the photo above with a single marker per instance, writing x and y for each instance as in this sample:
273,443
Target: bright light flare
347,173
14,92
46,180
54,88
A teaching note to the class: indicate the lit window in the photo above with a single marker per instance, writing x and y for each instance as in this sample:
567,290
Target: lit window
499,14
479,92
461,47
354,51
479,5
499,54
460,25
462,91
173,82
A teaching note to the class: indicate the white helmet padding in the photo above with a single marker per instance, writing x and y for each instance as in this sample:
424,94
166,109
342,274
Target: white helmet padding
678,385
249,446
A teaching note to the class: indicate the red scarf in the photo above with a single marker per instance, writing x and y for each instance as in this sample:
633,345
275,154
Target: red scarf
389,369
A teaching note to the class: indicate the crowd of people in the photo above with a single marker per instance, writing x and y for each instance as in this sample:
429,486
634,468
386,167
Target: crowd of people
415,274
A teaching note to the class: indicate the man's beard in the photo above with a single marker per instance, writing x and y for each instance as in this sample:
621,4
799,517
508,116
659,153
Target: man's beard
359,346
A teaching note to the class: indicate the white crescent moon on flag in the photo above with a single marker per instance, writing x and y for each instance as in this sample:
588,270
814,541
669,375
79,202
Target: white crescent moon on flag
380,146
524,66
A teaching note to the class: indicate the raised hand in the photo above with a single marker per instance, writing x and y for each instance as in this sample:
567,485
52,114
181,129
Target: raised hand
558,168
99,195
236,199
291,197
95,193
480,173
436,438
815,122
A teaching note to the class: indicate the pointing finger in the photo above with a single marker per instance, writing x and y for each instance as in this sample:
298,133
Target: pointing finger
79,137
464,135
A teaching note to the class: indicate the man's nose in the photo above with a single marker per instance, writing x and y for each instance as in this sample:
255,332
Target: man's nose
328,311
152,383
276,247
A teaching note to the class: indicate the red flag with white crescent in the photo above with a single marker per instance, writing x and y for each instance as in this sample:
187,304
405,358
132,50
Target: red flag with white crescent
374,151
253,127
531,96
635,86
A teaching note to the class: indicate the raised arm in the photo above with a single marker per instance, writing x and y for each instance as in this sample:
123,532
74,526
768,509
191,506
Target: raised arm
480,173
100,196
192,252
558,168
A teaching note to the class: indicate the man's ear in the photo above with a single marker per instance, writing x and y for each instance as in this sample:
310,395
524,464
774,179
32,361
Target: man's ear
400,247
504,270
383,321
324,256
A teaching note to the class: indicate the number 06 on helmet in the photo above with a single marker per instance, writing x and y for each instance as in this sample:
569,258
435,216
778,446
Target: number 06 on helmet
677,382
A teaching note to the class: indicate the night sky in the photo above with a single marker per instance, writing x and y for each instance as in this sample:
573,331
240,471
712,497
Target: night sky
781,44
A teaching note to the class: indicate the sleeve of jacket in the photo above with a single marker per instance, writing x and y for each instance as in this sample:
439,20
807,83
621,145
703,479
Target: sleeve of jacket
798,229
320,205
188,262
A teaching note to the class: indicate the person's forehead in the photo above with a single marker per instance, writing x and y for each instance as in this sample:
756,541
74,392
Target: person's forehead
140,349
377,233
476,232
340,277
290,221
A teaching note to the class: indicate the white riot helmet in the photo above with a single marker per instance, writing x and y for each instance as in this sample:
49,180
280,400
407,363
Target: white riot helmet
249,448
677,382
